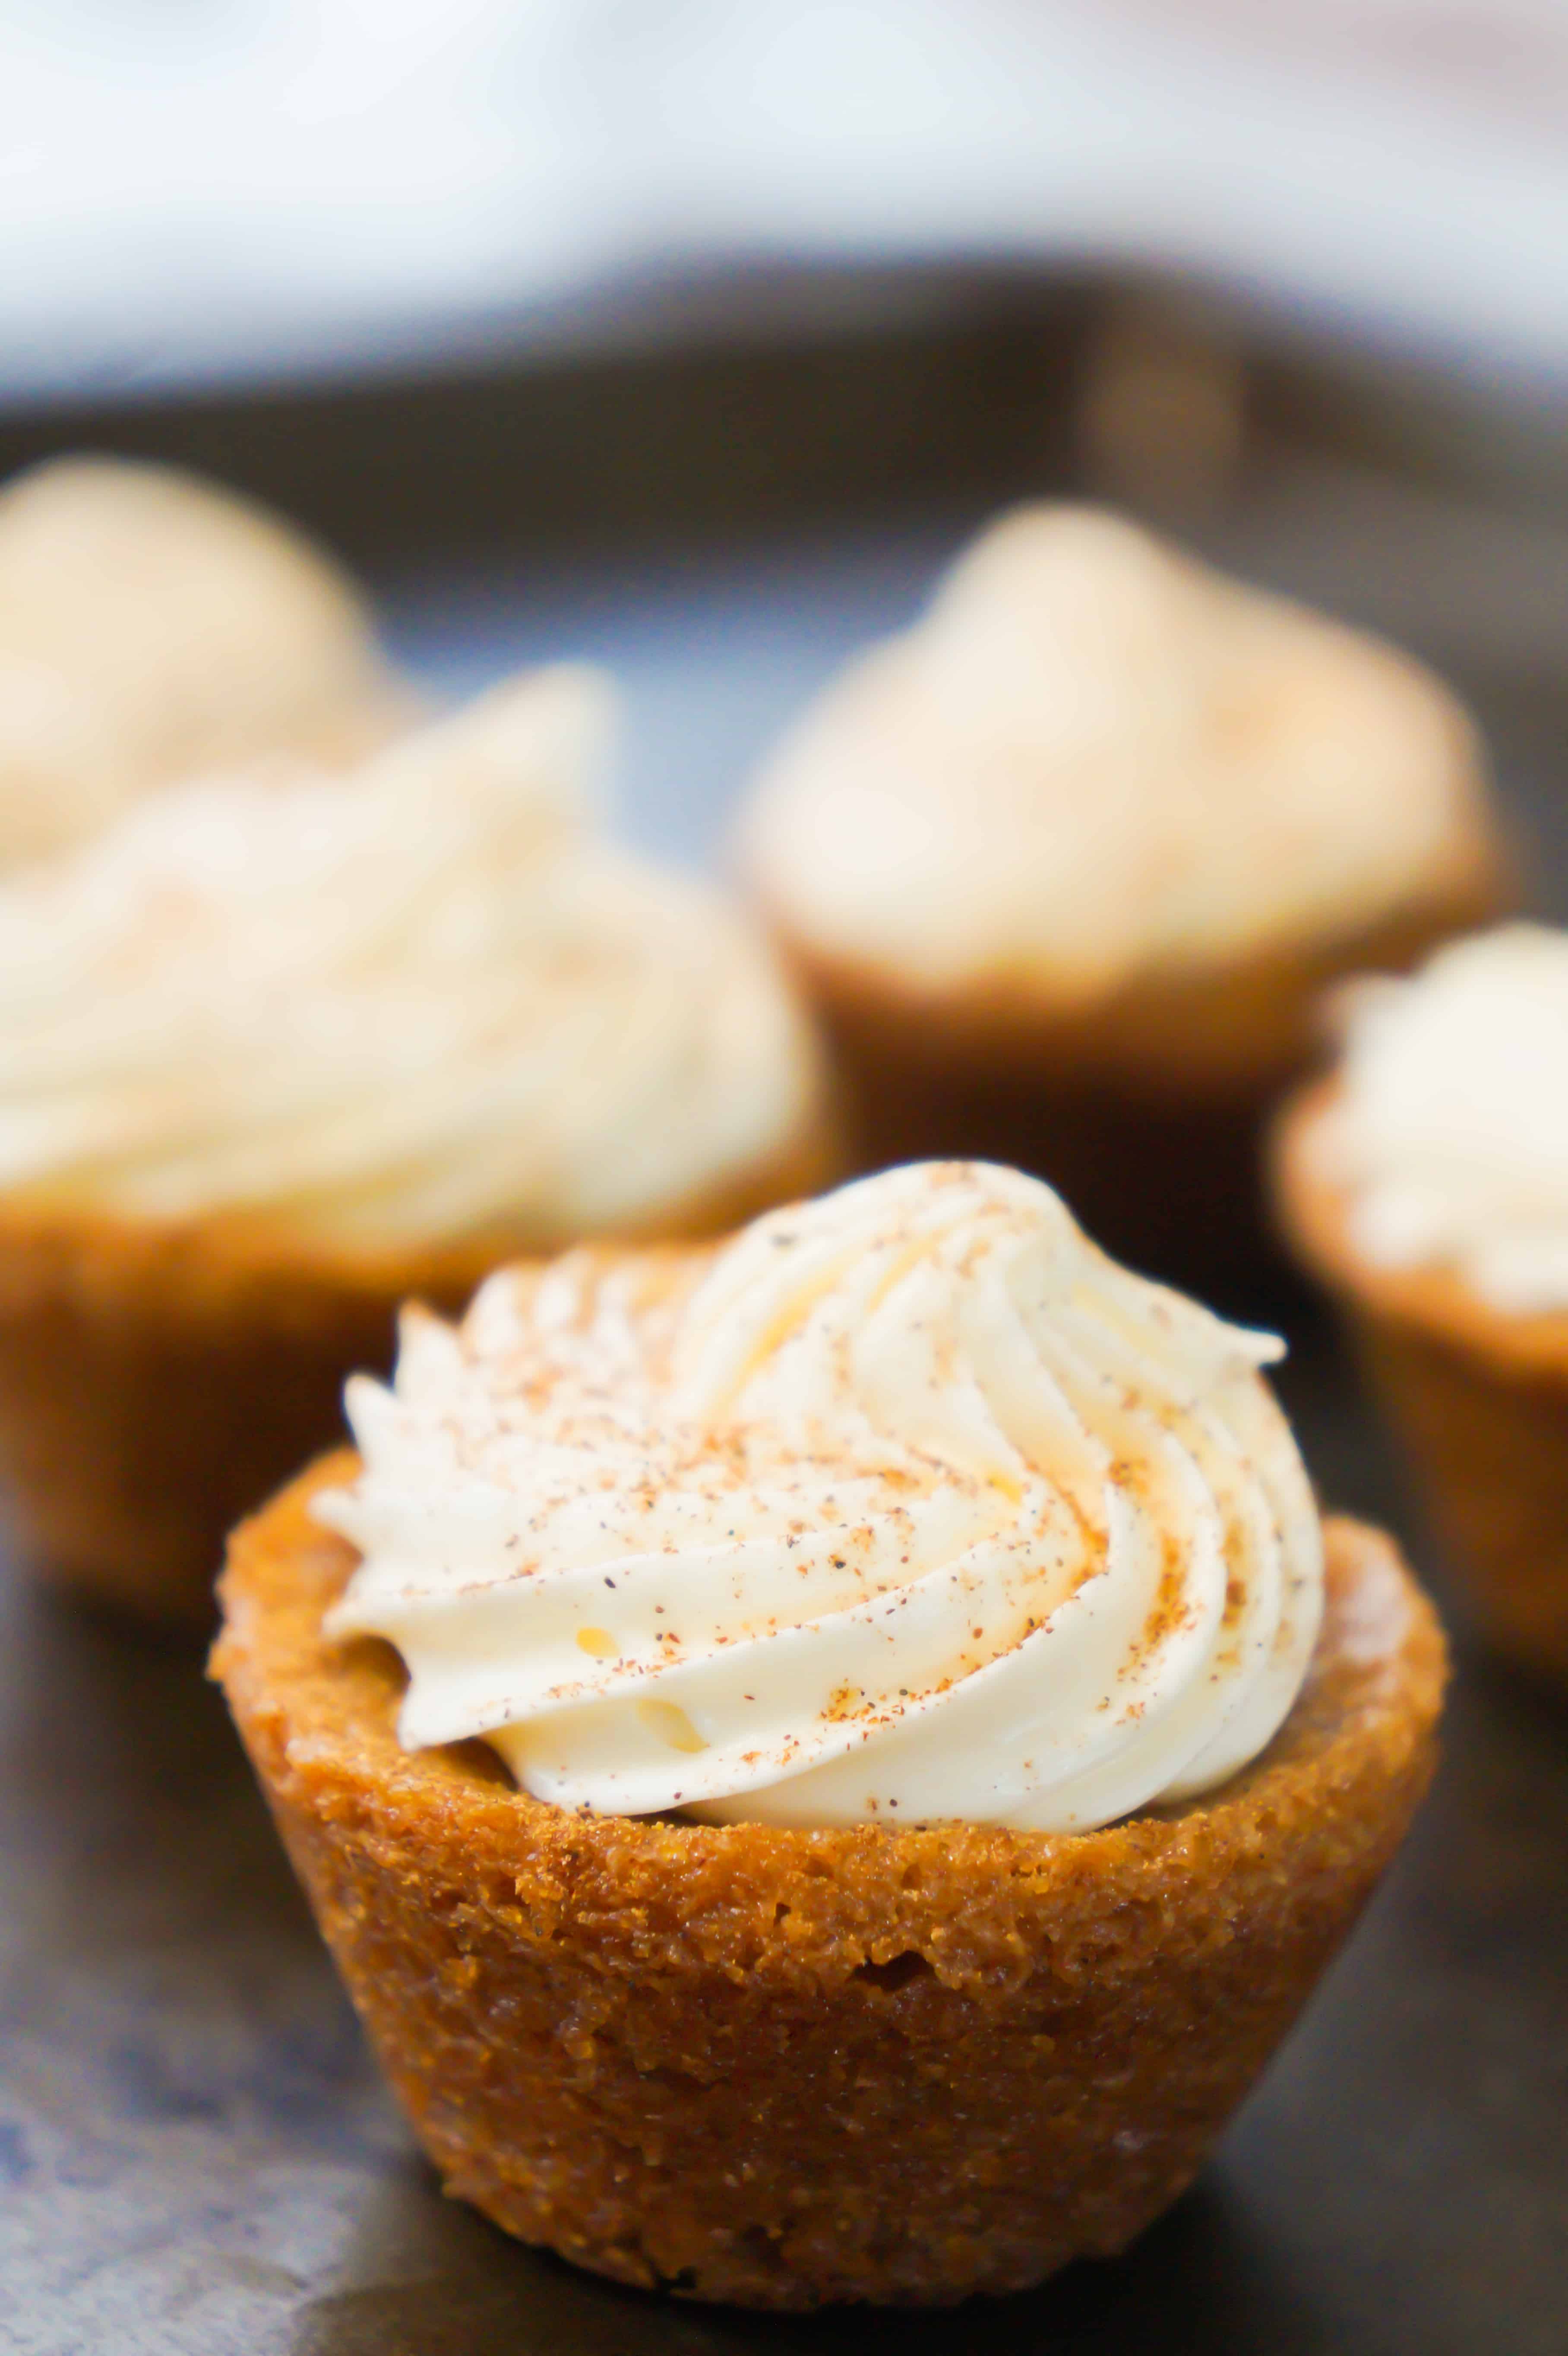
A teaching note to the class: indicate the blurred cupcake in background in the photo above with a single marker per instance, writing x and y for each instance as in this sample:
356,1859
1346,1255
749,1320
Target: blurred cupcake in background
1425,1181
152,627
1066,865
275,1056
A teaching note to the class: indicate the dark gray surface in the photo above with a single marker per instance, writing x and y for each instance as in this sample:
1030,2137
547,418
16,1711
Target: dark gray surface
194,2153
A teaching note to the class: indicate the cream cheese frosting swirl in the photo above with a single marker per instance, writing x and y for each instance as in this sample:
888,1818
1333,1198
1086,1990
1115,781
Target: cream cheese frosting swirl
153,626
1450,1127
1095,760
908,1504
426,999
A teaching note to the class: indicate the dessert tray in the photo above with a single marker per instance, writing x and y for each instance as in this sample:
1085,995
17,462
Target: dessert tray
196,2155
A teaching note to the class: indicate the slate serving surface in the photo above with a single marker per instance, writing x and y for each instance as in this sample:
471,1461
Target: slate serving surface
195,2156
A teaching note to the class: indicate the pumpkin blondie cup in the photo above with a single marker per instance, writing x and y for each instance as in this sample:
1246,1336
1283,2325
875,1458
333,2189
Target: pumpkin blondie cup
1065,867
275,1057
828,1763
1425,1182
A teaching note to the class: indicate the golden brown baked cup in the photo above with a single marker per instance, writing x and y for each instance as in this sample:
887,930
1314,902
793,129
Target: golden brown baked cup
784,2067
1146,1111
1480,1399
157,1382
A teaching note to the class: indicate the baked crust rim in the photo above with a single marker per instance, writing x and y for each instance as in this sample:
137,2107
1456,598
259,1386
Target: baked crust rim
318,1720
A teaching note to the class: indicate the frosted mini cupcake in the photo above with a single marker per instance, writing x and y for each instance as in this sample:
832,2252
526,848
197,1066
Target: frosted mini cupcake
881,1749
275,1058
1066,865
152,627
1427,1183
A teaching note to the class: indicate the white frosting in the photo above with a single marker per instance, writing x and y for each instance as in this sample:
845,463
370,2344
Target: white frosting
152,627
426,998
1451,1130
1095,757
915,1506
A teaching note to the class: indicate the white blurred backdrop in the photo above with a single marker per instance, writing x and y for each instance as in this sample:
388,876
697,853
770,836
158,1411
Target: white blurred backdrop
192,188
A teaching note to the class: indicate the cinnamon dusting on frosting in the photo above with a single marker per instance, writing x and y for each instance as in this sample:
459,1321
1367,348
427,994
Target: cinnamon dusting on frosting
911,1499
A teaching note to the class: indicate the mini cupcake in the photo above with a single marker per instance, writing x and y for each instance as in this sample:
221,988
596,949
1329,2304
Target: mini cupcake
829,1764
275,1056
1426,1182
1066,866
152,627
